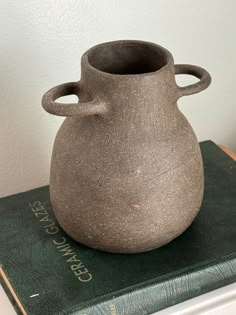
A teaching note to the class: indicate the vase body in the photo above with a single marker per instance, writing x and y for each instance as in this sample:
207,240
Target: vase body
126,169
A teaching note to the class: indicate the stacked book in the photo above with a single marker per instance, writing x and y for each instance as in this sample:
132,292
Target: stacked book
45,272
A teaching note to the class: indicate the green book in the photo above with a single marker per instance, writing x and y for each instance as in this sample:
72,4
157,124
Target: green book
45,272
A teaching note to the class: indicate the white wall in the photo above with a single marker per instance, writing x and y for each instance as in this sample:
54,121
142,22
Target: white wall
41,43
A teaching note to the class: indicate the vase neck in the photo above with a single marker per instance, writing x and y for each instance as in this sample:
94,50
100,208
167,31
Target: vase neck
156,92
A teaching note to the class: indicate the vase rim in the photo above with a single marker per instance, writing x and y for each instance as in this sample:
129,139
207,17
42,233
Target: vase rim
95,58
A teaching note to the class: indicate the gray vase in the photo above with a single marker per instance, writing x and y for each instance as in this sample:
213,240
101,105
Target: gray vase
126,169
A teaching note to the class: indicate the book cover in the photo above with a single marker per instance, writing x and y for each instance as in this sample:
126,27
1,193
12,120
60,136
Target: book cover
45,272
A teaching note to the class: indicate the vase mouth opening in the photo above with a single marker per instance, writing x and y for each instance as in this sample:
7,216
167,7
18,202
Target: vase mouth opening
127,58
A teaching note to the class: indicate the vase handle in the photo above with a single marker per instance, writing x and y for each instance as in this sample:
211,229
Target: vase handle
203,76
74,109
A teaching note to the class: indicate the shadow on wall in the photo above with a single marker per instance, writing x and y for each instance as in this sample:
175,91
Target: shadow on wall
24,138
23,160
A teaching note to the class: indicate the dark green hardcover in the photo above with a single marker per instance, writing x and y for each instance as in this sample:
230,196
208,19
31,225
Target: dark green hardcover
51,274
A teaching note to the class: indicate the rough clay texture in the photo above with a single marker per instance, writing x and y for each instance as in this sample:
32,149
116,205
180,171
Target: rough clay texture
126,169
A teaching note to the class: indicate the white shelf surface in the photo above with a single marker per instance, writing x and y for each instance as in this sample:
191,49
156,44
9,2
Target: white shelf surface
218,302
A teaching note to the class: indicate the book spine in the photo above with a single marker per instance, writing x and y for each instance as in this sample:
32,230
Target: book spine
158,296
